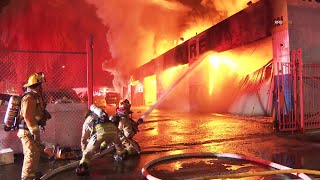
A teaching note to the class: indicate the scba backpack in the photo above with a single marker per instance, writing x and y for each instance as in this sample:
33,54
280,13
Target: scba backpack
11,119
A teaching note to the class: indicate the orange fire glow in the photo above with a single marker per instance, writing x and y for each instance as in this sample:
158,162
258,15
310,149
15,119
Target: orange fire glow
169,76
228,8
179,92
133,82
151,28
150,90
219,68
199,25
235,64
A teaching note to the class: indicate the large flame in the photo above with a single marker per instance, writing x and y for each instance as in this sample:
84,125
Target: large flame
166,80
219,68
169,76
141,30
150,90
179,92
237,62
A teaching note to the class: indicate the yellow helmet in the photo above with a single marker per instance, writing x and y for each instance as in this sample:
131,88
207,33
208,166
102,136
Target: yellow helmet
35,79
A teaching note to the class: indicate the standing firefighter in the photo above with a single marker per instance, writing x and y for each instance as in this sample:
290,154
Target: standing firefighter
127,127
33,117
97,129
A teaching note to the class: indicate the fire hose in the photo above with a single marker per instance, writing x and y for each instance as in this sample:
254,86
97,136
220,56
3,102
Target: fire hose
73,165
98,112
281,169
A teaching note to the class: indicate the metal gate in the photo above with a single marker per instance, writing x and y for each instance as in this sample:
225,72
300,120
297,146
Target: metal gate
285,96
311,96
297,94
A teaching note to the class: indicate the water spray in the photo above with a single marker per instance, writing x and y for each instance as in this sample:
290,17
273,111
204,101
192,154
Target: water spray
163,96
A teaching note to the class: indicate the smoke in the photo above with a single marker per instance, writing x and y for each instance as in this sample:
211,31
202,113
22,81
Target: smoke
140,30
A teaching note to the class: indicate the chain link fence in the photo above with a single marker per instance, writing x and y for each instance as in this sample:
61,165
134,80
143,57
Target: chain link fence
64,92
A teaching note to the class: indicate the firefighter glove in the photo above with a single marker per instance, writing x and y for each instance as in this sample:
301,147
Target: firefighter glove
47,115
140,121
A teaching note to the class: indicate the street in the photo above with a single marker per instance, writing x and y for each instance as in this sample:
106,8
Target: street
165,133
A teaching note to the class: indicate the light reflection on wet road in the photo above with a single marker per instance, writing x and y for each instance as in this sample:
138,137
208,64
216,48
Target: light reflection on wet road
166,133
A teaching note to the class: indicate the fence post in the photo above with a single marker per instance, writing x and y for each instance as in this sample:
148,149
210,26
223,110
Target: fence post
279,73
90,70
299,52
295,88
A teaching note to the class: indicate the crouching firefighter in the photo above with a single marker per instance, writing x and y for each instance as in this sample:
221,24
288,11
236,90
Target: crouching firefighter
97,129
32,119
127,127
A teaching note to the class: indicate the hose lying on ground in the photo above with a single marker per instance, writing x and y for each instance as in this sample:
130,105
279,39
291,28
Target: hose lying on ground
225,155
261,173
73,165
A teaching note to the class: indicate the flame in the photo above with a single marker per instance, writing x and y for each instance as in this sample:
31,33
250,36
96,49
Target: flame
234,64
169,76
133,82
150,90
163,46
219,67
148,29
211,13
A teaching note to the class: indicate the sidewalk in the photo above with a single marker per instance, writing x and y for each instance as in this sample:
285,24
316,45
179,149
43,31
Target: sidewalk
13,171
308,136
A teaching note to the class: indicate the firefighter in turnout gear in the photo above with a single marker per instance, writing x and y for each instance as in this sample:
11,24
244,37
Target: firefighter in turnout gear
97,129
128,128
32,119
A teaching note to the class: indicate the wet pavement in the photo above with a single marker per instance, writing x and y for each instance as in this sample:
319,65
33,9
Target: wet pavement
166,133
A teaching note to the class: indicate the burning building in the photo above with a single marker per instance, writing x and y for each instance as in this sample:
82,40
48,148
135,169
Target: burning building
233,67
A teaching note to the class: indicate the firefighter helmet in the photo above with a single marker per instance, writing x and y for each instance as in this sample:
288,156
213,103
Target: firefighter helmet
123,111
35,78
125,104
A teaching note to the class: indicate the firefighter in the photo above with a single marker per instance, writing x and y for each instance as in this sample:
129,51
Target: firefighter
128,128
97,129
32,118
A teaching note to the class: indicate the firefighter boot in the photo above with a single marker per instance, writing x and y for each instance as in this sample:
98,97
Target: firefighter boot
82,170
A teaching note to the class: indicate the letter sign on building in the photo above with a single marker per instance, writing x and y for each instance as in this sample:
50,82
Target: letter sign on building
140,87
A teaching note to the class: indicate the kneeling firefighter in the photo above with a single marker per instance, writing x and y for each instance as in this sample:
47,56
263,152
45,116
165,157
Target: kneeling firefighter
127,127
97,129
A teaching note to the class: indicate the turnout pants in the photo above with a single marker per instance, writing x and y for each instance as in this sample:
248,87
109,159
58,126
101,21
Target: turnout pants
31,151
95,142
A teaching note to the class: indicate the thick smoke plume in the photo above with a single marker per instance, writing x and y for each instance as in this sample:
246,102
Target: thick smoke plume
141,30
